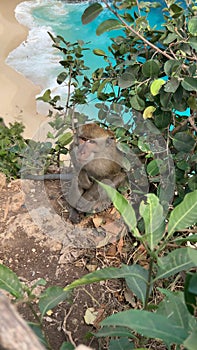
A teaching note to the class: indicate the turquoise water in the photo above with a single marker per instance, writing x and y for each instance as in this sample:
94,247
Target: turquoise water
37,59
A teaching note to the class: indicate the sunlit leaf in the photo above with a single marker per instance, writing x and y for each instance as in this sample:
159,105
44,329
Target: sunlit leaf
156,86
184,215
148,112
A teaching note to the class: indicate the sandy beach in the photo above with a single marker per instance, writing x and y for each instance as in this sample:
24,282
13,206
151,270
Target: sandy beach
17,94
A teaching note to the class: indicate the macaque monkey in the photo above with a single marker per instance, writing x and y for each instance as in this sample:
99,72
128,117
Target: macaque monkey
94,155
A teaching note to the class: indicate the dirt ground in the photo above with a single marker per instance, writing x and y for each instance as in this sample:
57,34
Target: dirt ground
39,241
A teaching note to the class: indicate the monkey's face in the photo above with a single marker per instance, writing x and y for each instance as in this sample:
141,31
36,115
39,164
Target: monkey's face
89,148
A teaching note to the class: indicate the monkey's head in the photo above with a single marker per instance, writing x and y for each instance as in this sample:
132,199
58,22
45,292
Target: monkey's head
92,140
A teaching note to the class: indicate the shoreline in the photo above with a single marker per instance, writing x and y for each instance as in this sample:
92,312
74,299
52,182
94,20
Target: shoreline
17,93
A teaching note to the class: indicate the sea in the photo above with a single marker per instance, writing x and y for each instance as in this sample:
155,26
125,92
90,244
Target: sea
38,60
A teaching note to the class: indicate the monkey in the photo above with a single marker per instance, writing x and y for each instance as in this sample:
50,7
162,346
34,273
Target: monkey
94,156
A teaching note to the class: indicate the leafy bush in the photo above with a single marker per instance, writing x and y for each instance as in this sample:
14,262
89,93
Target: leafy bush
11,147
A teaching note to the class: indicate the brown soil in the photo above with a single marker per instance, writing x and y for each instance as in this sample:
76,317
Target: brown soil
39,241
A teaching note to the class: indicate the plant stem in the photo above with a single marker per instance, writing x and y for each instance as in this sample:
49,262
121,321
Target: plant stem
149,282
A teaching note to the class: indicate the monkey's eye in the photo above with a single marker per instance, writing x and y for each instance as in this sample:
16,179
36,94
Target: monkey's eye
91,141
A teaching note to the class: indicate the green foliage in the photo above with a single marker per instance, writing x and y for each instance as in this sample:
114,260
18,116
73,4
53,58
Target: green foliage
11,148
174,321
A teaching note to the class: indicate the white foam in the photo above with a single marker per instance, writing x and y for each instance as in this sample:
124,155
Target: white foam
35,57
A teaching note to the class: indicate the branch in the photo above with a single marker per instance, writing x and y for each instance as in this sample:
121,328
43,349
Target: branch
137,33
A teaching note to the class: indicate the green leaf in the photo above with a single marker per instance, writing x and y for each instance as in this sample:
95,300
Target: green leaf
51,297
36,328
189,84
62,77
173,307
148,112
137,280
172,85
192,102
67,346
183,142
193,43
190,292
46,97
108,25
192,183
65,139
192,26
156,86
150,69
153,168
184,215
148,324
126,80
171,67
121,344
114,332
122,205
137,103
91,12
190,342
10,282
136,273
181,259
152,213
170,38
99,52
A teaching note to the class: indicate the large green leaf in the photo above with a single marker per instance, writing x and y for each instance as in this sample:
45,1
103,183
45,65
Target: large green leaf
136,280
190,342
91,12
192,26
152,213
51,297
150,68
10,282
189,84
121,344
183,142
184,215
173,307
181,259
108,25
111,273
137,103
114,332
126,80
148,324
123,206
